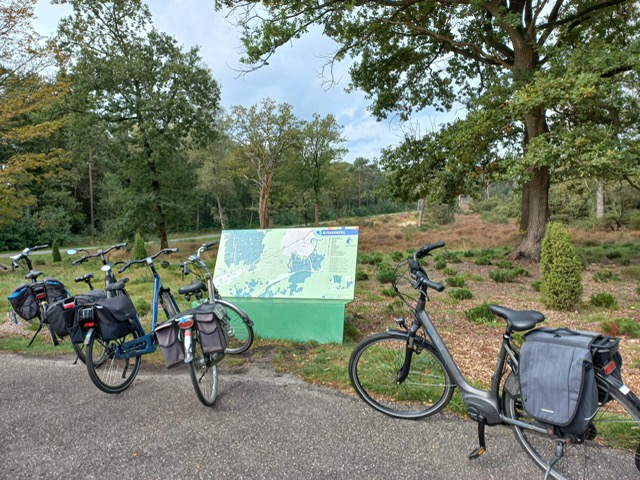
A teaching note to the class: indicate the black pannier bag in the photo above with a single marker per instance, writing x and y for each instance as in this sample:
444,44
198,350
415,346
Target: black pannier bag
212,322
115,316
55,290
24,303
168,338
61,316
557,379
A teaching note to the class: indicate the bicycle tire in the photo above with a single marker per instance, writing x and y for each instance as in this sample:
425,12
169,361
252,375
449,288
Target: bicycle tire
373,370
610,448
108,373
203,372
240,331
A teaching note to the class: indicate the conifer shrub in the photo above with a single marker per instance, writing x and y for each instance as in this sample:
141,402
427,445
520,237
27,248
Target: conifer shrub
560,269
55,252
139,250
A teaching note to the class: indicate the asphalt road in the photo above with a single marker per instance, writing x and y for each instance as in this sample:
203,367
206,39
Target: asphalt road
56,425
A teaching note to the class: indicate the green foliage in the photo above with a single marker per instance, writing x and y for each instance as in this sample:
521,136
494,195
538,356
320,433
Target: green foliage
560,269
143,307
621,326
139,250
55,252
397,256
503,276
604,300
536,285
440,264
441,214
450,272
388,292
361,275
484,260
480,314
455,282
385,274
604,276
460,293
374,258
634,220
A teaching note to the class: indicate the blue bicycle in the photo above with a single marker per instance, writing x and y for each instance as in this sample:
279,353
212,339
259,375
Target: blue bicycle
115,335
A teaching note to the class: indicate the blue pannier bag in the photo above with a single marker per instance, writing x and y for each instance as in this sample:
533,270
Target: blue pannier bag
23,301
557,379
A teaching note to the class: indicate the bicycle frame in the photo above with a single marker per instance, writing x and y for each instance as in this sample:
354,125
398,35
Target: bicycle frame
144,344
483,406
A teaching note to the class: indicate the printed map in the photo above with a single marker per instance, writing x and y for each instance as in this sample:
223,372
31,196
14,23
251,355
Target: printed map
310,263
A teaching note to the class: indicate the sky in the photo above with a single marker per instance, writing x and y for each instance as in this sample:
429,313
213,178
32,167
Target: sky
294,73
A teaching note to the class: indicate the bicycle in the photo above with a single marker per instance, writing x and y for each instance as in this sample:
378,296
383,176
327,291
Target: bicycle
407,372
112,286
122,354
240,331
34,299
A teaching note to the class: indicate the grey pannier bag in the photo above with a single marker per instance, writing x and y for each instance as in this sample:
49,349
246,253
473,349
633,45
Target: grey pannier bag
169,340
557,379
212,322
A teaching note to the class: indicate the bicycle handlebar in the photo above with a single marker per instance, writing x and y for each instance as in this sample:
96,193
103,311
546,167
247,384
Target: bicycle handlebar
421,277
149,259
100,253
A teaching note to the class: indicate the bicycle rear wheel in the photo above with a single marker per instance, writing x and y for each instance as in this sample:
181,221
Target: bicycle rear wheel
203,372
78,348
609,449
374,367
240,331
108,373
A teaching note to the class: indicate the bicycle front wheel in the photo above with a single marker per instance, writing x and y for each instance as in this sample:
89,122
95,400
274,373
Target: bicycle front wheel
108,373
609,449
374,367
203,372
239,330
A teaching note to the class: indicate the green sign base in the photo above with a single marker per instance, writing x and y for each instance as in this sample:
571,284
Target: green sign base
299,320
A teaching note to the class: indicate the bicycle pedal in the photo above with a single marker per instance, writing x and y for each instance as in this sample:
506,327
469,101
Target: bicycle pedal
477,453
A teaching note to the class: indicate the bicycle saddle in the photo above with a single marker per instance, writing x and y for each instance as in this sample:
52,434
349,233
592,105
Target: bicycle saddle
518,320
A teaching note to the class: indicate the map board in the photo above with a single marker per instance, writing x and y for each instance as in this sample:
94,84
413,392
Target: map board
309,263
293,283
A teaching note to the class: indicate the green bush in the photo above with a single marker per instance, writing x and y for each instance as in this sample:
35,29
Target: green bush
361,276
484,260
450,272
440,264
143,307
455,282
634,220
560,269
536,285
385,274
55,252
503,276
388,292
374,258
139,250
480,314
504,264
604,300
460,293
441,214
604,276
397,256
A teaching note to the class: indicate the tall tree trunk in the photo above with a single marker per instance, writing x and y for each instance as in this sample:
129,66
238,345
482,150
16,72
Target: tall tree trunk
421,204
600,199
316,209
221,214
535,196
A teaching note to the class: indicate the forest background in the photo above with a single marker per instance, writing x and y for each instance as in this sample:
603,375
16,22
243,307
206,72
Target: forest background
112,128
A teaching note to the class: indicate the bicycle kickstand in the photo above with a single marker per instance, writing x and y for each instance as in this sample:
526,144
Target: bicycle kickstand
481,438
560,443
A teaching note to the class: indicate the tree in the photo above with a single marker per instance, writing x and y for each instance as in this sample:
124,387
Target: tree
411,54
29,110
150,96
265,135
320,147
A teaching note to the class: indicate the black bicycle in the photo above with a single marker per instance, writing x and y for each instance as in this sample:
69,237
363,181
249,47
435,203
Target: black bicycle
407,372
36,299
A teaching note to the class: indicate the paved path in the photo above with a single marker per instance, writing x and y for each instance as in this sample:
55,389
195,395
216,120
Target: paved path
56,424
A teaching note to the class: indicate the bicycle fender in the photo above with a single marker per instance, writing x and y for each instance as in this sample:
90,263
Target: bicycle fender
88,336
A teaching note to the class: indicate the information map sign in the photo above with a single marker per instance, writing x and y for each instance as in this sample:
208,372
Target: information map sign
283,273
